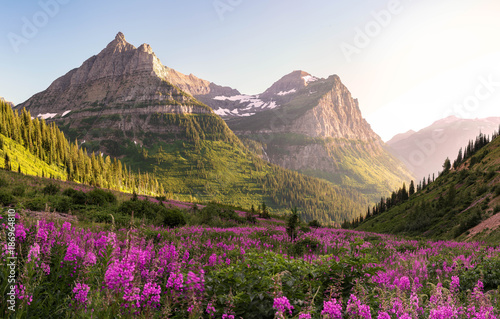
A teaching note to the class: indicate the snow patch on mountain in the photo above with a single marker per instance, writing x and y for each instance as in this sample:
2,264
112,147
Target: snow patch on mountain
281,93
309,78
47,115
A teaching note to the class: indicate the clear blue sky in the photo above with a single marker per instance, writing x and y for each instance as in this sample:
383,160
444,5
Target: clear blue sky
420,62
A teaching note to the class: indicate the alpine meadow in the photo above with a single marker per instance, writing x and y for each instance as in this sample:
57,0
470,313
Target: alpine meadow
262,185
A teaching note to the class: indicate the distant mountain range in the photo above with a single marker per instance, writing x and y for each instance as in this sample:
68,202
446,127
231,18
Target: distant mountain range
125,103
463,202
424,151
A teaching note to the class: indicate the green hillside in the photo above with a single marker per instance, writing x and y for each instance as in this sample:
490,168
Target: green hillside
462,197
196,157
32,147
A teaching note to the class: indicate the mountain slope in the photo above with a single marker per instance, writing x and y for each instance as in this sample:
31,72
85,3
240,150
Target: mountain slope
31,147
452,205
125,103
424,151
316,128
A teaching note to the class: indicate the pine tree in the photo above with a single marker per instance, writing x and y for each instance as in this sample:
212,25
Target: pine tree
412,188
7,162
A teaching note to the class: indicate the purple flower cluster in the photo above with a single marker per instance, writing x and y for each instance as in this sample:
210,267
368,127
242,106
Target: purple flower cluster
282,304
81,292
332,309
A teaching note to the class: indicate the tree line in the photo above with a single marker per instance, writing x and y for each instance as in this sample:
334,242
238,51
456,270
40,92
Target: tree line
48,143
403,194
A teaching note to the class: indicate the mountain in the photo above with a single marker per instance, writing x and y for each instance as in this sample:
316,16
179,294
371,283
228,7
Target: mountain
424,151
463,202
314,126
124,102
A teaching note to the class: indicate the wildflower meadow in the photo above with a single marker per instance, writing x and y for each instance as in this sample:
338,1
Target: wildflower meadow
68,271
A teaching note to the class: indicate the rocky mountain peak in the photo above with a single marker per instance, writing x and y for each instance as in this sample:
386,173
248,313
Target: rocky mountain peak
118,45
120,37
290,83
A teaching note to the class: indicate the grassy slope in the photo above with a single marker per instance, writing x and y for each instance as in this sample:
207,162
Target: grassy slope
436,213
30,164
220,168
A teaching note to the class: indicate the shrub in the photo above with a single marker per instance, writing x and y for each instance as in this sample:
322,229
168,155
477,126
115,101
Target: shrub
173,218
78,197
314,223
213,214
6,198
18,190
496,209
497,190
63,204
488,271
100,197
3,182
51,189
36,204
303,246
69,192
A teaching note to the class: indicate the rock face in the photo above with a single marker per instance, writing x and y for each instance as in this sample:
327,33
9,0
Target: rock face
317,128
120,93
425,151
301,122
119,75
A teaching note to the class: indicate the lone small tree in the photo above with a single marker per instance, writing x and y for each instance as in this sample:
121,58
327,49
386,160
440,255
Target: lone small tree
446,165
264,213
292,223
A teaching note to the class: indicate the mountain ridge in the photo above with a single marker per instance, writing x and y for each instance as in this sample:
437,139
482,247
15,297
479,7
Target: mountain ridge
117,103
425,150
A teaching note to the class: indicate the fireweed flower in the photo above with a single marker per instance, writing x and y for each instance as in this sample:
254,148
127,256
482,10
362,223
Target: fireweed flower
195,282
175,281
305,316
210,308
383,315
455,284
81,292
226,316
282,304
21,294
332,309
34,252
21,232
151,294
119,274
90,259
73,252
356,308
132,295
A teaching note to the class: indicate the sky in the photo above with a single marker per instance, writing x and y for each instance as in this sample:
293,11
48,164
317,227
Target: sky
408,62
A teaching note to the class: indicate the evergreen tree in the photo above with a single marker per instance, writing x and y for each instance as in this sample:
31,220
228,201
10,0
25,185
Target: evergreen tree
446,165
412,188
7,162
292,223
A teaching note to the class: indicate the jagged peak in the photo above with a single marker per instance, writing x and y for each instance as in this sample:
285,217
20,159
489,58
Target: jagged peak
146,48
118,45
120,37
